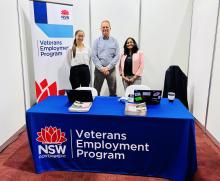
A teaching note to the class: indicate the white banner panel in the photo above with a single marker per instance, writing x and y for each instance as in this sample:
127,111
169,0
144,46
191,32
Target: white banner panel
52,33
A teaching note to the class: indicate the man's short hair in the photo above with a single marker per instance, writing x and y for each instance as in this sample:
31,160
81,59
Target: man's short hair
106,21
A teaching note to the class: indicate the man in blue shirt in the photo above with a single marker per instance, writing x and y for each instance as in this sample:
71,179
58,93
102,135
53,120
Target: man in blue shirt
105,56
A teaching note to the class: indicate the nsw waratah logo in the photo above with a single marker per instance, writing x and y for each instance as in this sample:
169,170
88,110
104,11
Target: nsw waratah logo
51,135
65,14
44,89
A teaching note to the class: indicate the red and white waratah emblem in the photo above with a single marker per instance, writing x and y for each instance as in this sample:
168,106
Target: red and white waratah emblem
65,12
43,90
51,135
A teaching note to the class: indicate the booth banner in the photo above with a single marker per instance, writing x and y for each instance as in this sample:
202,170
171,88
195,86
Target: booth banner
52,33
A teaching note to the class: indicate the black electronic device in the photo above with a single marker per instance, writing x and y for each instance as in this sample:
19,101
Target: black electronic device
79,95
147,96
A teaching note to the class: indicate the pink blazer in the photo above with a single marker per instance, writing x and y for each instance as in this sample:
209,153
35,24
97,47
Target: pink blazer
137,63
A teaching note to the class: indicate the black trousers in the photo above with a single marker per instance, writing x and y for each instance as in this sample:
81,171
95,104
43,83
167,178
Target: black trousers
79,76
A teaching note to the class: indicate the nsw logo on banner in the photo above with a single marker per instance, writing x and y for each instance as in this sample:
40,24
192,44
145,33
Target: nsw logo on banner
51,139
65,14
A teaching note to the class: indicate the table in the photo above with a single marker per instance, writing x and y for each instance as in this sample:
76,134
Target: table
161,144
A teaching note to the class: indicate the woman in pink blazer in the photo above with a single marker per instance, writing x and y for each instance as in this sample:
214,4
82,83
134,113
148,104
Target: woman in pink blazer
131,63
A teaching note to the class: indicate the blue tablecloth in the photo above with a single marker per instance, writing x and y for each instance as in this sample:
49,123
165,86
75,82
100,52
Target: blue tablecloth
161,144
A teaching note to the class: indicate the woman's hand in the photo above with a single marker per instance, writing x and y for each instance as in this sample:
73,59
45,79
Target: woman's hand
125,78
131,80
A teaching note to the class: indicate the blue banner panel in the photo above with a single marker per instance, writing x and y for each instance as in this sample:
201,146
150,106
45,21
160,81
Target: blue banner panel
40,12
57,31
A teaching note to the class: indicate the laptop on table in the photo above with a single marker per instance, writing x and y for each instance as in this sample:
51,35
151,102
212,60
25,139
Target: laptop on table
147,96
79,95
81,100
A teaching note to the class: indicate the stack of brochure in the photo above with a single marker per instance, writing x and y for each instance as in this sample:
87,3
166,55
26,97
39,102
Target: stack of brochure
80,106
136,109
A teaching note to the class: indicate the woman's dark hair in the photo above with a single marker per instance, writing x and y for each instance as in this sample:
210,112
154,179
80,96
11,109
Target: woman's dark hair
74,43
134,49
